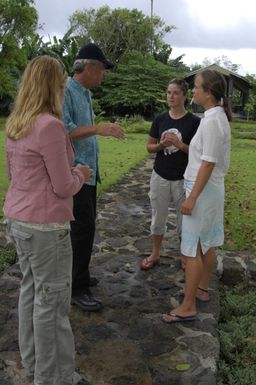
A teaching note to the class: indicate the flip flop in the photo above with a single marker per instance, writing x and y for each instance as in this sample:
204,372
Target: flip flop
147,264
179,318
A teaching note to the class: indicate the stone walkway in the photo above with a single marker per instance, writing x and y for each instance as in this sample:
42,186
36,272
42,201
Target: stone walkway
126,343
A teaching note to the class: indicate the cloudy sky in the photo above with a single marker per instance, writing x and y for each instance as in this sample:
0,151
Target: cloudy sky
203,28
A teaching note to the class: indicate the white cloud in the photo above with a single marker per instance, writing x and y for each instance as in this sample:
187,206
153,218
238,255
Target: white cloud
220,13
203,28
245,57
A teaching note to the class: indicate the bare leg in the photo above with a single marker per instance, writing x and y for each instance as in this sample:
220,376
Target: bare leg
156,245
193,273
208,260
183,263
154,258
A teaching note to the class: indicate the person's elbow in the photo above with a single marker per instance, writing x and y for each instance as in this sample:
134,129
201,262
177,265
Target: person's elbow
208,165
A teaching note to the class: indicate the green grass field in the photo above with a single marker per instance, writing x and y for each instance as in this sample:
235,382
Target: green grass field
117,157
240,208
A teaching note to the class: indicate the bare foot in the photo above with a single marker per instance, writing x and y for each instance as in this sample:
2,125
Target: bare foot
180,312
149,263
179,315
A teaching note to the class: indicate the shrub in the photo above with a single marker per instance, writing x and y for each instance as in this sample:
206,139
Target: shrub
237,330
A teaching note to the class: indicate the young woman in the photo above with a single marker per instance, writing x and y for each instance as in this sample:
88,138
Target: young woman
38,208
169,138
202,225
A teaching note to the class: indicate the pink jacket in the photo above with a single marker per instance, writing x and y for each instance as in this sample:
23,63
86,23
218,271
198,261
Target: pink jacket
42,182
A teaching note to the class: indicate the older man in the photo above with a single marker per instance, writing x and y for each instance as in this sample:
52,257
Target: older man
89,70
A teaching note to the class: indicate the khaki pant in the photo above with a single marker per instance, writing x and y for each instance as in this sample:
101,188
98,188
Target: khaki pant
162,192
45,337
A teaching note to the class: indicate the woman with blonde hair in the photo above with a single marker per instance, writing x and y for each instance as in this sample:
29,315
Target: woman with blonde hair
38,208
203,209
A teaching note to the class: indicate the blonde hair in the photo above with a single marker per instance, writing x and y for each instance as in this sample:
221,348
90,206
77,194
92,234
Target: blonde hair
39,91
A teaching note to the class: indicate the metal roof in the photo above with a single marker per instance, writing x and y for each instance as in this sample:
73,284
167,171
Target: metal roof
217,68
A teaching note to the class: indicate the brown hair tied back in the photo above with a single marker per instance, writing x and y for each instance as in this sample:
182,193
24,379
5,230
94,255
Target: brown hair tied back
215,82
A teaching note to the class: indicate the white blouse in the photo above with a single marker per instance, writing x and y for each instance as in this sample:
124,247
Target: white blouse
212,144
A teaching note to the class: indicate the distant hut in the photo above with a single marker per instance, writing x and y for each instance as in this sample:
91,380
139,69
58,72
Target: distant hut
237,88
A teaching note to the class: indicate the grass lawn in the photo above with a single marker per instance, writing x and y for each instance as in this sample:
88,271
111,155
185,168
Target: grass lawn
117,157
240,208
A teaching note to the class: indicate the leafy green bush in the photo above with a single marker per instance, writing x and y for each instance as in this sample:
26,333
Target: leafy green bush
241,376
136,118
137,87
139,128
7,257
135,124
237,330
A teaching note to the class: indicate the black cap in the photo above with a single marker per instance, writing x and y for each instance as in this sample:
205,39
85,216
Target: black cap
92,51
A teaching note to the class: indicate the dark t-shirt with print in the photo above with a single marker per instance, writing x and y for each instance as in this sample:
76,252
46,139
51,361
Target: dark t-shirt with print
172,166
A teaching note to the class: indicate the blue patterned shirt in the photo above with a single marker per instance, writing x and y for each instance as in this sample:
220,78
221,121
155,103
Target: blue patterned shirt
77,111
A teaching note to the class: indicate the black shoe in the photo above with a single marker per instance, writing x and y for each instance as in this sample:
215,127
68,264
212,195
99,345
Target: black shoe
93,281
89,293
87,302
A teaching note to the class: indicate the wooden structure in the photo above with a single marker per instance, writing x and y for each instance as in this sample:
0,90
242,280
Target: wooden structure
235,83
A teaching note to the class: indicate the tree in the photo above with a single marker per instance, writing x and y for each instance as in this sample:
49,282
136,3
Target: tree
222,61
64,48
137,86
163,54
250,107
18,21
178,65
195,67
119,31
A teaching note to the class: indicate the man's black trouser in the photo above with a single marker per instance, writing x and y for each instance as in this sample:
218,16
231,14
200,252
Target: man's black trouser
82,236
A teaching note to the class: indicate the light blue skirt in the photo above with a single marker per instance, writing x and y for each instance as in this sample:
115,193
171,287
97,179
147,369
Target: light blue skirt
205,225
